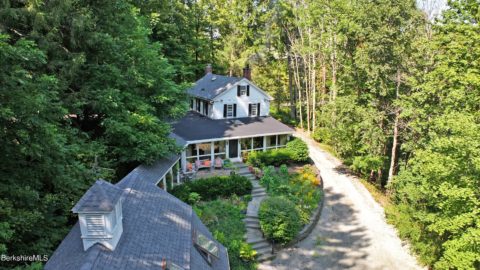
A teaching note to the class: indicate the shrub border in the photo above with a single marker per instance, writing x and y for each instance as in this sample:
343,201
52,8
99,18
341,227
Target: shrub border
307,229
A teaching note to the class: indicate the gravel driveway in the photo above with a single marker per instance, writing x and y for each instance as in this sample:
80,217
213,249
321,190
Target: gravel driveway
352,232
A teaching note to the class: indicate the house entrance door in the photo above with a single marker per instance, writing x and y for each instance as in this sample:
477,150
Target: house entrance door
233,149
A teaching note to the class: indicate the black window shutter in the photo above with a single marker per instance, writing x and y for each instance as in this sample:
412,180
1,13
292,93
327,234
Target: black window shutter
224,110
234,110
238,90
248,90
258,109
249,109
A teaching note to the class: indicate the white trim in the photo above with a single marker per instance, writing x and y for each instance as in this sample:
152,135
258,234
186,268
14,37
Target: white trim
270,98
238,137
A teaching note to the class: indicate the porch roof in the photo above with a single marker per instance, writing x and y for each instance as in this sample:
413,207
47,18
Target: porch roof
196,127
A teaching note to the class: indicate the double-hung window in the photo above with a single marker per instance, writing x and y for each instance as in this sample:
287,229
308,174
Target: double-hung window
254,109
229,110
243,90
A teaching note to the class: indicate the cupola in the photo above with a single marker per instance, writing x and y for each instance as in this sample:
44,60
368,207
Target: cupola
100,215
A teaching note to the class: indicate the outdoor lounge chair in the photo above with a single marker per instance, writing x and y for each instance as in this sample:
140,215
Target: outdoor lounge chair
218,163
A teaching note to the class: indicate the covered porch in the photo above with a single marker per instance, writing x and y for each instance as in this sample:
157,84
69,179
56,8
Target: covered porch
208,153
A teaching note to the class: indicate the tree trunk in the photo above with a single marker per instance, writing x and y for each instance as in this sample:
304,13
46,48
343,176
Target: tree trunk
314,94
293,111
393,156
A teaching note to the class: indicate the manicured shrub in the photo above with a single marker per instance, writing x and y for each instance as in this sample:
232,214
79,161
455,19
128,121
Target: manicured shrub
213,187
279,219
275,157
298,150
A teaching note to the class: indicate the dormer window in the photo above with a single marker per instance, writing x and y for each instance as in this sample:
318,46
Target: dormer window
207,247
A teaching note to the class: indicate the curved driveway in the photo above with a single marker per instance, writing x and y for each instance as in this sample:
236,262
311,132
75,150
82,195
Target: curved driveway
352,232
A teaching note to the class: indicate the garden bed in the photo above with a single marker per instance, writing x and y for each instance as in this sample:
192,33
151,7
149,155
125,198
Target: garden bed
294,204
221,202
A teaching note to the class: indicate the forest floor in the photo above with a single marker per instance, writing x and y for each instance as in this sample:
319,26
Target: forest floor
352,232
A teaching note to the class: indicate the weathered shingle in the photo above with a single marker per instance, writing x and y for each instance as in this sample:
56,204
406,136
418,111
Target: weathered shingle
195,127
212,85
156,225
101,197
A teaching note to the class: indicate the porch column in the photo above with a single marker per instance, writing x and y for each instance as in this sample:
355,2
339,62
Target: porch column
164,180
264,143
227,152
178,177
184,161
276,141
212,154
239,149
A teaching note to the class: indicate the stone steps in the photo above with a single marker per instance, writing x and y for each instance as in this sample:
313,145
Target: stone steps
254,235
258,189
263,194
265,257
251,220
261,245
256,240
252,226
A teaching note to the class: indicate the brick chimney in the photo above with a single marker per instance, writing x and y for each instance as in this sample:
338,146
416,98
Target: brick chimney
208,69
247,73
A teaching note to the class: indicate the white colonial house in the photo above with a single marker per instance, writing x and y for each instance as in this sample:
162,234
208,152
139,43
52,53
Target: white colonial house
228,117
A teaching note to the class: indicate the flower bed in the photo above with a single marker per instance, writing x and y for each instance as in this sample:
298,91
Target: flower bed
300,190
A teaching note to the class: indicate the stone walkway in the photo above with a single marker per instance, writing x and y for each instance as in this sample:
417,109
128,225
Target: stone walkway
254,235
352,232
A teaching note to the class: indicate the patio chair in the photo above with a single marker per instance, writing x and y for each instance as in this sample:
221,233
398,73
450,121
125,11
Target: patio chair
189,167
218,163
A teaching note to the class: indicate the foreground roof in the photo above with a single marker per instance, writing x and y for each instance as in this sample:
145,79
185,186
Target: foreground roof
194,127
156,225
212,85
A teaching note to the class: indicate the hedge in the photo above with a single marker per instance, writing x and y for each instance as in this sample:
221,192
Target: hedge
296,151
213,187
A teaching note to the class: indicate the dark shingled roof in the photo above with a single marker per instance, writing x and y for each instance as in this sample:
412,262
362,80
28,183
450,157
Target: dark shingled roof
195,127
101,197
156,225
179,140
152,173
212,85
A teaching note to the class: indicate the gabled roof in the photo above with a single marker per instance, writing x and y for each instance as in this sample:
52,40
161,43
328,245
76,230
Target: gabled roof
212,85
156,225
196,127
101,197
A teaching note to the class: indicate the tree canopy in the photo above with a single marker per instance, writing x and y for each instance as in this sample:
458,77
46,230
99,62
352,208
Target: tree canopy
88,89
